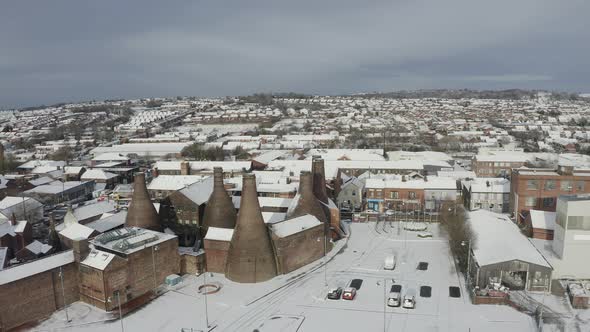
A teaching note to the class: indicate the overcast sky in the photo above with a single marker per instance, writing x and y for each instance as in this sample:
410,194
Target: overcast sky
54,51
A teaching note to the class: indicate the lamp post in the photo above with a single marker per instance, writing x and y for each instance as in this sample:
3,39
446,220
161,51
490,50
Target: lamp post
468,243
206,307
63,293
154,249
110,300
384,304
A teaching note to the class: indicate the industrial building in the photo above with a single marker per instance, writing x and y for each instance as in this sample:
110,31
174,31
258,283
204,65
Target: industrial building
519,266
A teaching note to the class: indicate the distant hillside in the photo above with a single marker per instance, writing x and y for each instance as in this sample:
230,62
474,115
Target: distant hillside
511,94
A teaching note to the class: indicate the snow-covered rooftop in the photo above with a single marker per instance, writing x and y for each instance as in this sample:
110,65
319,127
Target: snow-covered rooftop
35,267
491,230
543,219
219,234
294,225
98,259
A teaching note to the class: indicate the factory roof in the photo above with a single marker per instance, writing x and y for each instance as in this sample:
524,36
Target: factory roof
489,228
273,217
219,234
266,201
174,182
75,231
128,240
98,259
294,225
228,166
108,221
199,192
97,174
35,267
38,248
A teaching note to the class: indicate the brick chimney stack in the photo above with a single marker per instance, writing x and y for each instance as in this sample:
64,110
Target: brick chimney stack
185,168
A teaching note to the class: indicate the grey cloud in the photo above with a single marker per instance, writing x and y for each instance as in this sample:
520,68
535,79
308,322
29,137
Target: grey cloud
69,50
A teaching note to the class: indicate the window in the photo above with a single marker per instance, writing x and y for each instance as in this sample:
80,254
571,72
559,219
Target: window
532,184
580,185
530,201
566,185
550,185
353,193
548,202
394,194
412,195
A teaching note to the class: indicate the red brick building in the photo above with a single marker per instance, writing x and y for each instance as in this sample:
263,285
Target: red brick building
538,188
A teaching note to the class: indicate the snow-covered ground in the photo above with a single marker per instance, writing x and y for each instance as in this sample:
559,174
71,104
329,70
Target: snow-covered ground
297,301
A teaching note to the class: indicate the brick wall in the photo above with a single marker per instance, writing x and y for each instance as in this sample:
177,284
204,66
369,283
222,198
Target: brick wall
36,297
299,249
216,255
519,188
192,264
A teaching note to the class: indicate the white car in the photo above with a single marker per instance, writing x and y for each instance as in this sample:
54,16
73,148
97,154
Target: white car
389,212
409,300
389,263
394,299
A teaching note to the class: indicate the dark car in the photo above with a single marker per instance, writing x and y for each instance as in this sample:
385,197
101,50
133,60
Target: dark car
422,266
454,291
425,291
356,283
335,293
396,289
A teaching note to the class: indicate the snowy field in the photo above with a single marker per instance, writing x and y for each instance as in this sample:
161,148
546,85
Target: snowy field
298,302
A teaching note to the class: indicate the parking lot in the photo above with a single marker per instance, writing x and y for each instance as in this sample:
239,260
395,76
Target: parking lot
298,301
364,259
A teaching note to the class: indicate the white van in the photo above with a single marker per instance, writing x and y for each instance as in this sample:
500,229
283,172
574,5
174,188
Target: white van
389,263
409,299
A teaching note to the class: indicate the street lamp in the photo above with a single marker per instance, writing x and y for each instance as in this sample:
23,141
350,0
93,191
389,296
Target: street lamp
468,244
109,300
205,291
63,293
154,249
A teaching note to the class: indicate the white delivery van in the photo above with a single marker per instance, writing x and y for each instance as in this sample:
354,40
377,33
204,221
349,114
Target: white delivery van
389,263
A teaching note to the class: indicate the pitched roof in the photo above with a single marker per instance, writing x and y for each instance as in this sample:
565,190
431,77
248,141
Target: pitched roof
493,231
98,259
76,231
35,267
98,175
38,248
294,225
219,234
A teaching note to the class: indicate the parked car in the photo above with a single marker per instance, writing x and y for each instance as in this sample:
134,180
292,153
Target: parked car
409,299
394,299
389,212
349,293
335,293
356,283
389,263
396,289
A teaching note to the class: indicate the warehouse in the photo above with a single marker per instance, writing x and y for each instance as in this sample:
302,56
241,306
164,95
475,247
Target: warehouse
517,264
